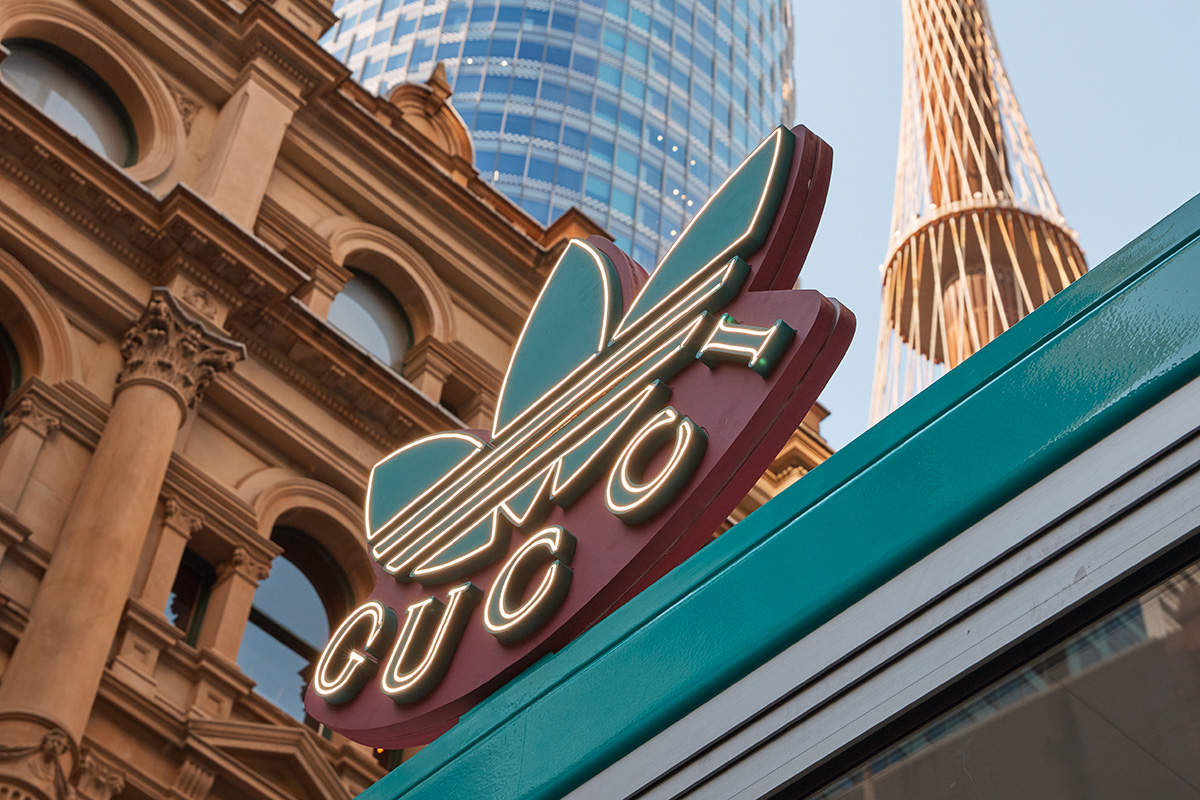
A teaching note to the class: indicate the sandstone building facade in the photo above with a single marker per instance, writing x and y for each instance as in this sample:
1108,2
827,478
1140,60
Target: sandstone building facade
231,280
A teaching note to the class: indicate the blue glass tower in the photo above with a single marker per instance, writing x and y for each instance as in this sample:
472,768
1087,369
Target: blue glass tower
633,111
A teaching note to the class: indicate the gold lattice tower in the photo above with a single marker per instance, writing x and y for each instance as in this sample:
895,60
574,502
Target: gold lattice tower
977,238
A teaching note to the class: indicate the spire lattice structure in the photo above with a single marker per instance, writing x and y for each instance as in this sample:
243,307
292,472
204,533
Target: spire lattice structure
977,238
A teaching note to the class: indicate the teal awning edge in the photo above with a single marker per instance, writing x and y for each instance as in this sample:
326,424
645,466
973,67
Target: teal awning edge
1099,353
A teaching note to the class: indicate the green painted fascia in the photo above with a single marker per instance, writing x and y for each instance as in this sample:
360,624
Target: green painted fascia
1112,344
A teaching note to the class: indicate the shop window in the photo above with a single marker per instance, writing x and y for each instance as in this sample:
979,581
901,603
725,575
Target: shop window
1112,712
293,613
369,314
189,595
72,95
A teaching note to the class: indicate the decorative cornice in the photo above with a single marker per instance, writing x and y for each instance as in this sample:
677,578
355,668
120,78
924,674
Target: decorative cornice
169,348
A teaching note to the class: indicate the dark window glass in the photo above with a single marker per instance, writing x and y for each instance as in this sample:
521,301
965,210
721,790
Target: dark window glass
597,188
535,18
569,178
1113,712
541,169
524,87
562,21
487,121
546,129
475,48
588,30
573,137
447,50
580,100
510,164
504,48
69,92
606,110
583,64
189,595
368,313
509,14
381,35
420,54
517,124
483,13
372,69
558,56
405,26
467,83
627,161
658,101
536,209
290,619
618,8
650,175
10,371
495,84
397,61
622,201
554,92
531,51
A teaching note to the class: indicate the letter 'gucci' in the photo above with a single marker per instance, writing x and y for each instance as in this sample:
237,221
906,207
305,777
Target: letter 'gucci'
636,412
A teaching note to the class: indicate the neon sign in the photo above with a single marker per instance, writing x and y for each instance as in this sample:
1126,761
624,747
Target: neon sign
636,412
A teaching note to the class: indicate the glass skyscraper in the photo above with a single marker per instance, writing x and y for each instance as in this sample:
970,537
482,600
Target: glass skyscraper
633,111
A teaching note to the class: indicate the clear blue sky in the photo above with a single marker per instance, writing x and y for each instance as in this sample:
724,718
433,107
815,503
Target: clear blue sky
1110,90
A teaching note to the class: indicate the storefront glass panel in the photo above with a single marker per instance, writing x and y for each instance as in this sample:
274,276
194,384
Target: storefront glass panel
1113,712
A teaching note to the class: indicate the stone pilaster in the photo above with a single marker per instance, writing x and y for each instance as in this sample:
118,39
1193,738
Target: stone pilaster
26,429
56,667
230,601
179,524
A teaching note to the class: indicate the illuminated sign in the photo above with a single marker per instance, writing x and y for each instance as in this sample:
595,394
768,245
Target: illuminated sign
636,413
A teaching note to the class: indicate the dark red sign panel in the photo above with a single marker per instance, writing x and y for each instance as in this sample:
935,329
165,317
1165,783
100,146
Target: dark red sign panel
636,413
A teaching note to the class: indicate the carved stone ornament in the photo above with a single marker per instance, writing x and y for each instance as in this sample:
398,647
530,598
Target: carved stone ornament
29,413
180,518
170,348
242,563
188,107
194,780
95,781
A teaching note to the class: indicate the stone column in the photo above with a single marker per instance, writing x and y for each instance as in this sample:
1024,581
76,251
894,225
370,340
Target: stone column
229,604
51,682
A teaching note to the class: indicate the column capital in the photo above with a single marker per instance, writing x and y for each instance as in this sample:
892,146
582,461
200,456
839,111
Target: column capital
171,349
29,413
243,564
181,518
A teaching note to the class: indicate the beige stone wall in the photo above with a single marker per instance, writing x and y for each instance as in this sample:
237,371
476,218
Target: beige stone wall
204,414
263,175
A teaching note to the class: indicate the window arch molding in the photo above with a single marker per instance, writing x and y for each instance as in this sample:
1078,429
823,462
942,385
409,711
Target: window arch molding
331,519
145,98
34,322
400,268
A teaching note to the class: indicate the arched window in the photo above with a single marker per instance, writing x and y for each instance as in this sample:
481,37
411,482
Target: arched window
72,95
294,611
10,369
368,313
